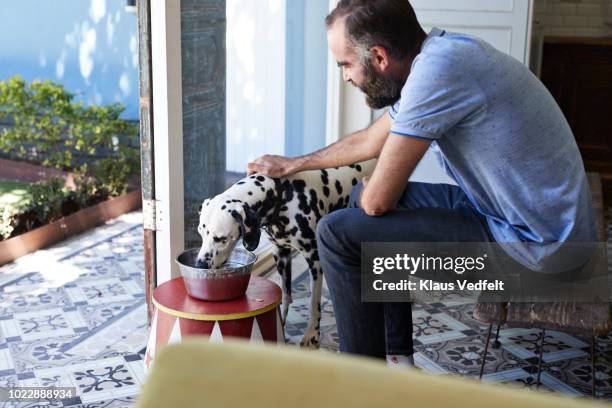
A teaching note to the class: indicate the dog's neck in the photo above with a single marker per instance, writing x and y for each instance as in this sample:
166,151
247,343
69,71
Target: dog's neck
260,193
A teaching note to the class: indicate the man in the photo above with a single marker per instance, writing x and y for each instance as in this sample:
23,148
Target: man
496,129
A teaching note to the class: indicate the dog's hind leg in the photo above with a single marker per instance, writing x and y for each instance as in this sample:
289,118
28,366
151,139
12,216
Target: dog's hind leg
283,266
313,330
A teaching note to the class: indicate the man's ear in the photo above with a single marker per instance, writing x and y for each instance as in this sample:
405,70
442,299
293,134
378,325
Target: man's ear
250,226
379,58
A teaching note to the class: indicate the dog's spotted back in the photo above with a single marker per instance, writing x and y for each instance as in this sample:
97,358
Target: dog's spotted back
288,209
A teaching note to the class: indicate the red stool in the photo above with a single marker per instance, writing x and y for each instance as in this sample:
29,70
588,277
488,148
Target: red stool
254,316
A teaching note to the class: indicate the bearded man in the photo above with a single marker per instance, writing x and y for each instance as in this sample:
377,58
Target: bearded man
496,130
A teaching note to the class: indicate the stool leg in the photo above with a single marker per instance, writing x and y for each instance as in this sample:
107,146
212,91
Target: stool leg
593,357
484,354
540,360
496,343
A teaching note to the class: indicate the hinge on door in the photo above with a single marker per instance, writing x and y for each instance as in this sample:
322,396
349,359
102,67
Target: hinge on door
152,215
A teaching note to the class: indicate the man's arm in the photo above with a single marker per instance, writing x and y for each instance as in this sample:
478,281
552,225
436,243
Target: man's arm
356,147
398,159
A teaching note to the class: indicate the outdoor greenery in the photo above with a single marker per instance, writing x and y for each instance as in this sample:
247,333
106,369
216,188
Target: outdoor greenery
92,142
13,193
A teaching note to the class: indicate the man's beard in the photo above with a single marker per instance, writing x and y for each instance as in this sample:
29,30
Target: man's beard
379,91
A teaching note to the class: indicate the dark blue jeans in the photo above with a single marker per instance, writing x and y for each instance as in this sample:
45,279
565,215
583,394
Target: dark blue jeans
425,213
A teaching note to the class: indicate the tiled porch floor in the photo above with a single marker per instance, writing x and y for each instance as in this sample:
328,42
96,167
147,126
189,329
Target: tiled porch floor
74,315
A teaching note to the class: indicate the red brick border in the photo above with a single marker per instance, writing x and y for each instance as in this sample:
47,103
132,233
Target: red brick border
22,171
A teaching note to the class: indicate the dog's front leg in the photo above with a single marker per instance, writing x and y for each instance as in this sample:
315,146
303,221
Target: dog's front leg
313,330
283,266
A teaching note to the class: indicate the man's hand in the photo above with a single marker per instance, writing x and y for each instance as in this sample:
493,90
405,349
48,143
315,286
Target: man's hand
273,166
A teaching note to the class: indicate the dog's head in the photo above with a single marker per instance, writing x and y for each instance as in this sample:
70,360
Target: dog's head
223,221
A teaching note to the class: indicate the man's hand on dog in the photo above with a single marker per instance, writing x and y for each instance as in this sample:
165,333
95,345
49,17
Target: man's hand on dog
272,166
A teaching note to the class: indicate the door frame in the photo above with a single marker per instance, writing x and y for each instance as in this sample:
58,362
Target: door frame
166,82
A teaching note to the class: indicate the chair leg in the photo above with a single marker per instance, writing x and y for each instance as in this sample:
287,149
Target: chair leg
484,354
497,343
540,359
593,358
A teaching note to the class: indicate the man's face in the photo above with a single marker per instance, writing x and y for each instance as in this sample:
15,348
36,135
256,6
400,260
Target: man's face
380,90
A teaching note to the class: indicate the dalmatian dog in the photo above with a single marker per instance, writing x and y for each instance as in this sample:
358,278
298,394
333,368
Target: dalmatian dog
287,209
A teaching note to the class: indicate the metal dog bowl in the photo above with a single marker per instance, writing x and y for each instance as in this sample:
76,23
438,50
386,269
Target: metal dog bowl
228,282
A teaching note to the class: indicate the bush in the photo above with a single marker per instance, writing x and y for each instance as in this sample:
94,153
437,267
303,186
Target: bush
49,201
92,142
66,134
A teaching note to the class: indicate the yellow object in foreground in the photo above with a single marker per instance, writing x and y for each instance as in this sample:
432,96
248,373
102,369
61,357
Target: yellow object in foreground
197,373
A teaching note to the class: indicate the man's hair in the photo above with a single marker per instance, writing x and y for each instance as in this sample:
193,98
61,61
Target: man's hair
391,24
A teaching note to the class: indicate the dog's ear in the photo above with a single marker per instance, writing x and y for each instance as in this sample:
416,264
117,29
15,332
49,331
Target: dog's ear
250,226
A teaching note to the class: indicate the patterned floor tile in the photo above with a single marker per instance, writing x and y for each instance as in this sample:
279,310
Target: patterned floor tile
80,321
525,343
431,328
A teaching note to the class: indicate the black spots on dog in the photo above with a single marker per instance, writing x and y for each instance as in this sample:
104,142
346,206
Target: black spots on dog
263,190
250,193
326,191
303,204
340,203
200,208
237,216
336,206
338,187
257,183
283,220
252,177
354,181
223,207
264,206
287,190
324,177
284,208
241,183
236,201
313,204
222,239
352,166
304,227
321,205
299,185
358,167
227,201
305,246
261,178
293,231
208,202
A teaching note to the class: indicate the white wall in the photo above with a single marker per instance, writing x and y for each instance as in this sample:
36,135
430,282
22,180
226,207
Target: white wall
255,80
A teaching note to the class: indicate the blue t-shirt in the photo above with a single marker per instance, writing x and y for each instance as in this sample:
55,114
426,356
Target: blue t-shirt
501,136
